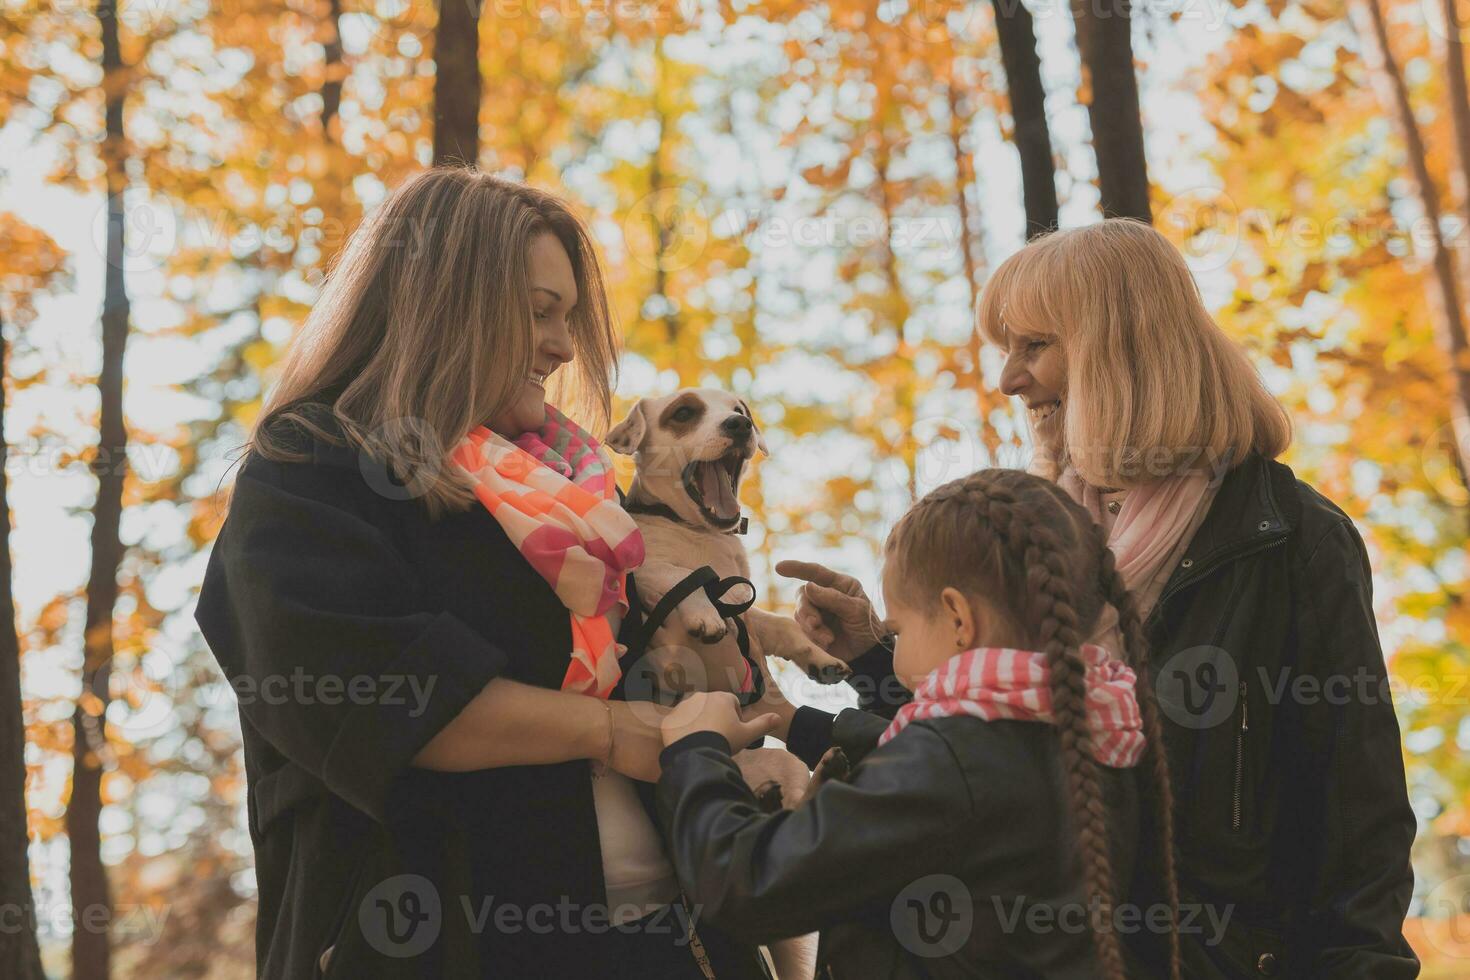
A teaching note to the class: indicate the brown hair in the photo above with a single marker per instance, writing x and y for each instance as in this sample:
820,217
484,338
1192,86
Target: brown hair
1019,543
1154,387
425,329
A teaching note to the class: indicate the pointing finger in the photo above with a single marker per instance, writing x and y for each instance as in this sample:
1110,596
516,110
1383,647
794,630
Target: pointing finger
828,599
809,571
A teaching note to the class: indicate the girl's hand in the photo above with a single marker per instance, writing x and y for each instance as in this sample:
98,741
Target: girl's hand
716,711
834,611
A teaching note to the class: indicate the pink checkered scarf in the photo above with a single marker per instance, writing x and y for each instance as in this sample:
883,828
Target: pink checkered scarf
997,683
554,494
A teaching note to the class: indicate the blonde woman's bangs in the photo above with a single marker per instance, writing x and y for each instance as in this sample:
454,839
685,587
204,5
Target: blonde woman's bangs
1022,295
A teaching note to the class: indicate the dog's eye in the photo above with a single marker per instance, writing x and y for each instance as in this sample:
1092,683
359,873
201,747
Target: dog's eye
683,414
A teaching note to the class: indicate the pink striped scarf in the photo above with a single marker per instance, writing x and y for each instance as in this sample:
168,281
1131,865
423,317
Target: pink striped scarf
554,494
996,683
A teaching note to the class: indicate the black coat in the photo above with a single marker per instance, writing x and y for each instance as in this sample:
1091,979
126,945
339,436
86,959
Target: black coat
948,852
1290,798
1291,808
318,581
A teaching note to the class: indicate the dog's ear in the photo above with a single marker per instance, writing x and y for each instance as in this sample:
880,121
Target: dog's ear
760,440
628,434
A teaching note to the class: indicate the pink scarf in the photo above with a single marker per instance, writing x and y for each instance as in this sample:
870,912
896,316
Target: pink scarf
997,683
553,493
1146,533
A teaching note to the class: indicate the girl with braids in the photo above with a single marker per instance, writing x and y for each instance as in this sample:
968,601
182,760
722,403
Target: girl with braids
1253,591
988,828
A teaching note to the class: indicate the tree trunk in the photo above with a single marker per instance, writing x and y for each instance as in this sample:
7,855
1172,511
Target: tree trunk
90,893
1105,41
20,956
332,59
1459,98
663,217
972,252
1017,35
1449,322
457,83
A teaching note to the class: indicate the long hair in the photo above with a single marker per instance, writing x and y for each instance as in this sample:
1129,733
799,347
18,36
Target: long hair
1018,541
425,330
1154,387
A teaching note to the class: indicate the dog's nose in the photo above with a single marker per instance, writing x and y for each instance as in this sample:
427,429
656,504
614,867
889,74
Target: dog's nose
736,426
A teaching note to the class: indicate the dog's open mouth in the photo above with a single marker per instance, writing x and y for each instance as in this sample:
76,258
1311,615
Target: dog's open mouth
713,485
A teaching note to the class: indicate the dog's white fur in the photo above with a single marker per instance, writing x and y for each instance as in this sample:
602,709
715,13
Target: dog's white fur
696,649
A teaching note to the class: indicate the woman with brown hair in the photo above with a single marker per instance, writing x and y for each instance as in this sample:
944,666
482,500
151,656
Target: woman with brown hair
415,596
1291,816
985,831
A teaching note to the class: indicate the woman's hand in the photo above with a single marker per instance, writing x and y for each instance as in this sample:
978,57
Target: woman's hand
636,740
833,610
716,711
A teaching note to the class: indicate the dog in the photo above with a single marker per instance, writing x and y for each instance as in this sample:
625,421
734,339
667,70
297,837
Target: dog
691,450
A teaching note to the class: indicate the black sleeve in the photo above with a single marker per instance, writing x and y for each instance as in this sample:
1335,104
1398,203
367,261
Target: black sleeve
878,690
814,731
903,813
317,620
1363,879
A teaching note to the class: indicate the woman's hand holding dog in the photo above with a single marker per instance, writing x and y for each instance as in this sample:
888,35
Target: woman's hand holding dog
716,711
833,610
636,740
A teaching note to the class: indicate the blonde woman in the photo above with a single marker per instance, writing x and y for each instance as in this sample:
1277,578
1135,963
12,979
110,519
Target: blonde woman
415,596
1293,825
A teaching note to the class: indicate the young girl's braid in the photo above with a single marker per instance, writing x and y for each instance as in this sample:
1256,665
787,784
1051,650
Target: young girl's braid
1135,653
1053,607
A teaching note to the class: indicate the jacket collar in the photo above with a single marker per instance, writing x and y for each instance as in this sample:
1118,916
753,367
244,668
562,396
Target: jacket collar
1254,508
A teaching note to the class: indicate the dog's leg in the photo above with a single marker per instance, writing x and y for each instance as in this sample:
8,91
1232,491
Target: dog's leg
781,779
795,958
698,616
780,636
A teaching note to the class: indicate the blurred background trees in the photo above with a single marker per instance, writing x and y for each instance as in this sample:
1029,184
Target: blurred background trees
799,202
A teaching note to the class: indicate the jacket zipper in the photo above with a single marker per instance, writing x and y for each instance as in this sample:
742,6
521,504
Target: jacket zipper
1210,569
1240,759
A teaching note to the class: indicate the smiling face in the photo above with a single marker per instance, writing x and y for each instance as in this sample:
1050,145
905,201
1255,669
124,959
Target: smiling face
1036,372
691,448
553,296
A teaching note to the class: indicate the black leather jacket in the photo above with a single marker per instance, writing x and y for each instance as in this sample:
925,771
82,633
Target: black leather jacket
1291,808
946,853
1290,799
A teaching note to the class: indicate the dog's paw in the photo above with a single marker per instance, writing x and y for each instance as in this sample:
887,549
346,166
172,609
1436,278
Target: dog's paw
769,797
824,668
707,625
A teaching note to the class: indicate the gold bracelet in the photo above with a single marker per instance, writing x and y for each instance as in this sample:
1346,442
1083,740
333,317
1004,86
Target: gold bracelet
606,760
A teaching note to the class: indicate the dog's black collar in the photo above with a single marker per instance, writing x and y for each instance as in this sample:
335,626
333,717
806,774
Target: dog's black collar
668,513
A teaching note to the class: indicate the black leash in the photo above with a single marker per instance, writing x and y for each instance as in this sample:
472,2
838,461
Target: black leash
715,588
